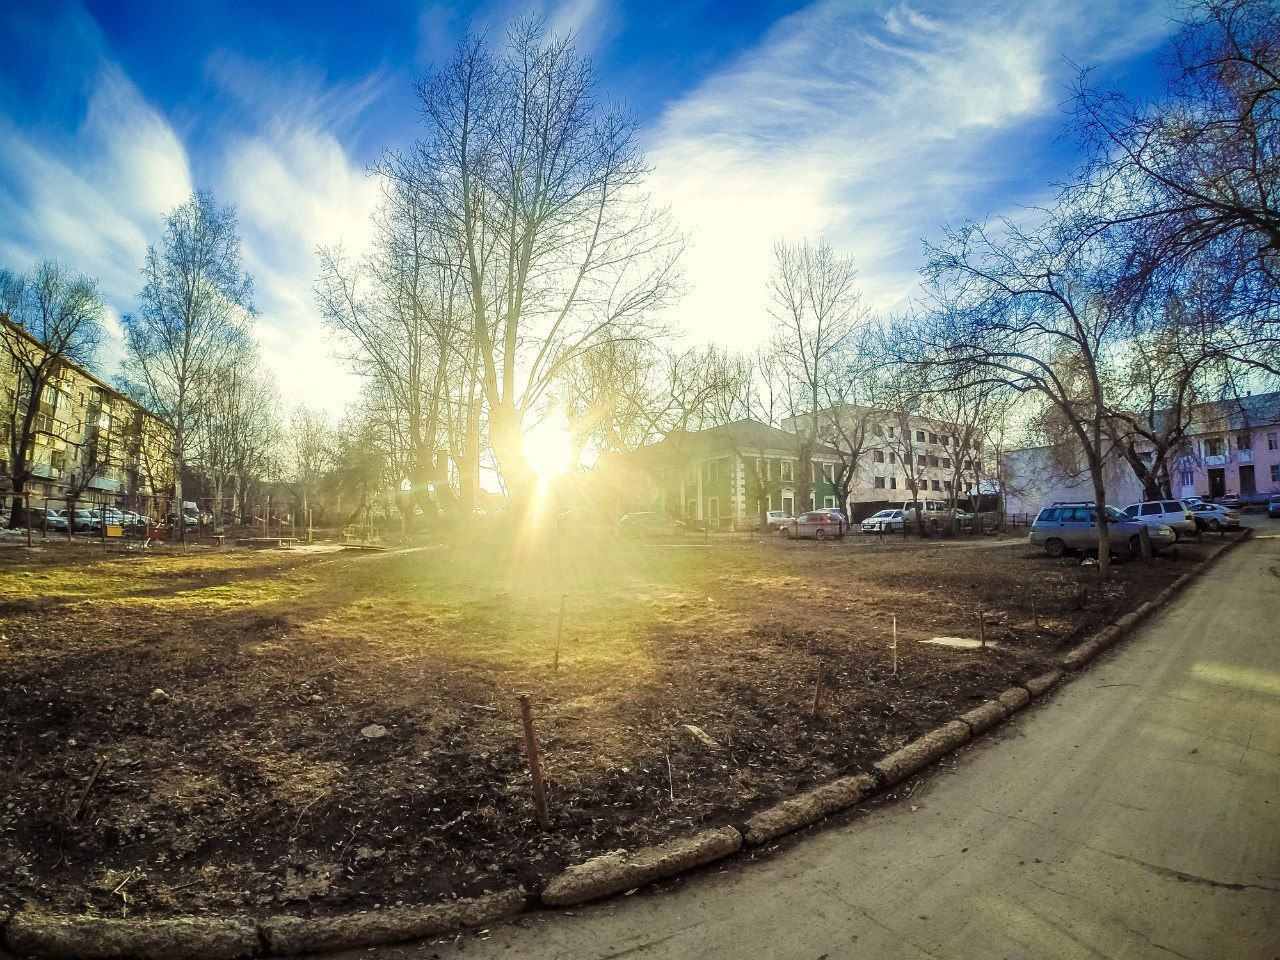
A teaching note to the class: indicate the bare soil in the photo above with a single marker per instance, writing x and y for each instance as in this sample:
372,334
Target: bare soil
226,694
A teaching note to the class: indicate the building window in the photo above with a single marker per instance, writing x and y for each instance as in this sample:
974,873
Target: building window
933,438
878,456
828,501
1273,441
1275,473
947,485
787,472
1244,441
946,461
762,469
1188,478
890,430
945,438
893,483
919,436
1213,448
935,484
922,461
893,457
879,483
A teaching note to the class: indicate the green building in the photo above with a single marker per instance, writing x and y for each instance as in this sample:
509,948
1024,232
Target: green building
730,475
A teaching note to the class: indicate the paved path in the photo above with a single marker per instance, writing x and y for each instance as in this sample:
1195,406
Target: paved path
1135,815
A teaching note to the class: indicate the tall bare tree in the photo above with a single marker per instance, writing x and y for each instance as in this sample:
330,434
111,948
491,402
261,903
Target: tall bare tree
61,315
1026,309
540,194
194,306
817,307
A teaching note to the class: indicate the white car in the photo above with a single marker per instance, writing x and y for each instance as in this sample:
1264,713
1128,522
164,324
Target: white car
886,521
776,519
1171,513
1215,517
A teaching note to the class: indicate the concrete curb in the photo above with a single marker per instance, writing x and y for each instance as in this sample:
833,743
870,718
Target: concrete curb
287,936
98,938
626,869
807,808
919,753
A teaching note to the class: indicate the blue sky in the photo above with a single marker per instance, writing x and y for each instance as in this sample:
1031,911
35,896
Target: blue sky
869,122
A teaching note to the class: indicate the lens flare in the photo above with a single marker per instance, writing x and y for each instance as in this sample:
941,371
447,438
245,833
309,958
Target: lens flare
548,447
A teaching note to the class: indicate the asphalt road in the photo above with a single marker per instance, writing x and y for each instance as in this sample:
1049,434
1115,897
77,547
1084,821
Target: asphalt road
1136,814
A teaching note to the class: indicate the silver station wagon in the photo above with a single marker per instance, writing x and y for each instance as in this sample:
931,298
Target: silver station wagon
1074,526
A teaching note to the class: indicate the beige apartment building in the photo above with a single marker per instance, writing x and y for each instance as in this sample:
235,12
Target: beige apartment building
898,454
91,442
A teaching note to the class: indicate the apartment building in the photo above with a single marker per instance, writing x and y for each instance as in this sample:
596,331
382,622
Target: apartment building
897,455
90,442
1233,447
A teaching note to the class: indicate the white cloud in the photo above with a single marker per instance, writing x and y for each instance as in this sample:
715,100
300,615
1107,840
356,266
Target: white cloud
870,124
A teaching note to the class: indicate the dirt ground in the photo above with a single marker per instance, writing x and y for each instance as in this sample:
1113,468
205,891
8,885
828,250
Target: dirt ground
226,694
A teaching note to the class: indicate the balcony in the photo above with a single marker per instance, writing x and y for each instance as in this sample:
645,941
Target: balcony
1244,456
1215,459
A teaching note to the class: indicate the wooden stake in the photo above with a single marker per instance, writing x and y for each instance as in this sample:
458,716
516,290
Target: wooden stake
671,780
535,766
559,632
982,628
817,693
84,794
895,645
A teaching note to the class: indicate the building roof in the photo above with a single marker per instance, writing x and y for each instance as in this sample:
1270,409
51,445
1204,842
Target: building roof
1236,413
747,437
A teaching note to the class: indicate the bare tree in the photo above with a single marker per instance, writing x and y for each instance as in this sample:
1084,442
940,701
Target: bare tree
309,446
1026,310
59,317
817,306
540,195
193,309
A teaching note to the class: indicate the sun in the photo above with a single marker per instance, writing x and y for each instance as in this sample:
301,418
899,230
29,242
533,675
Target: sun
548,448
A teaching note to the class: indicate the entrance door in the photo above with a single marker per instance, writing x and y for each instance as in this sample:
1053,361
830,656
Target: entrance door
1217,482
788,506
1247,483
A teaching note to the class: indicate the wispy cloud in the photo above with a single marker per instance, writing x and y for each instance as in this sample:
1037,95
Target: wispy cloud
870,124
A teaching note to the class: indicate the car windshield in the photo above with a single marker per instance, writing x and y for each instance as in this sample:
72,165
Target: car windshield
1114,514
882,514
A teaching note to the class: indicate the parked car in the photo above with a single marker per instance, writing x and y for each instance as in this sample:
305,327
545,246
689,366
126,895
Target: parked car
1273,506
646,523
774,520
1074,526
1214,516
818,524
43,518
886,521
1232,500
85,520
1171,513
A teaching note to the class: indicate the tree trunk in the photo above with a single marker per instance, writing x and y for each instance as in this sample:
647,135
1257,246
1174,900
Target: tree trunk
507,441
1104,527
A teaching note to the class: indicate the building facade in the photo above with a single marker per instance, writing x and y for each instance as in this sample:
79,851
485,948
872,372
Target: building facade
90,442
1233,447
731,475
897,456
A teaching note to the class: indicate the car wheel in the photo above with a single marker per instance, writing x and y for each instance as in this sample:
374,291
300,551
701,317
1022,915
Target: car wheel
1054,547
821,534
1215,525
786,533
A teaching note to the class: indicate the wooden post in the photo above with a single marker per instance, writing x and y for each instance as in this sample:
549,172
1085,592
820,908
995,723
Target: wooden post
310,533
895,645
26,512
535,766
44,527
559,633
982,628
817,693
1144,541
